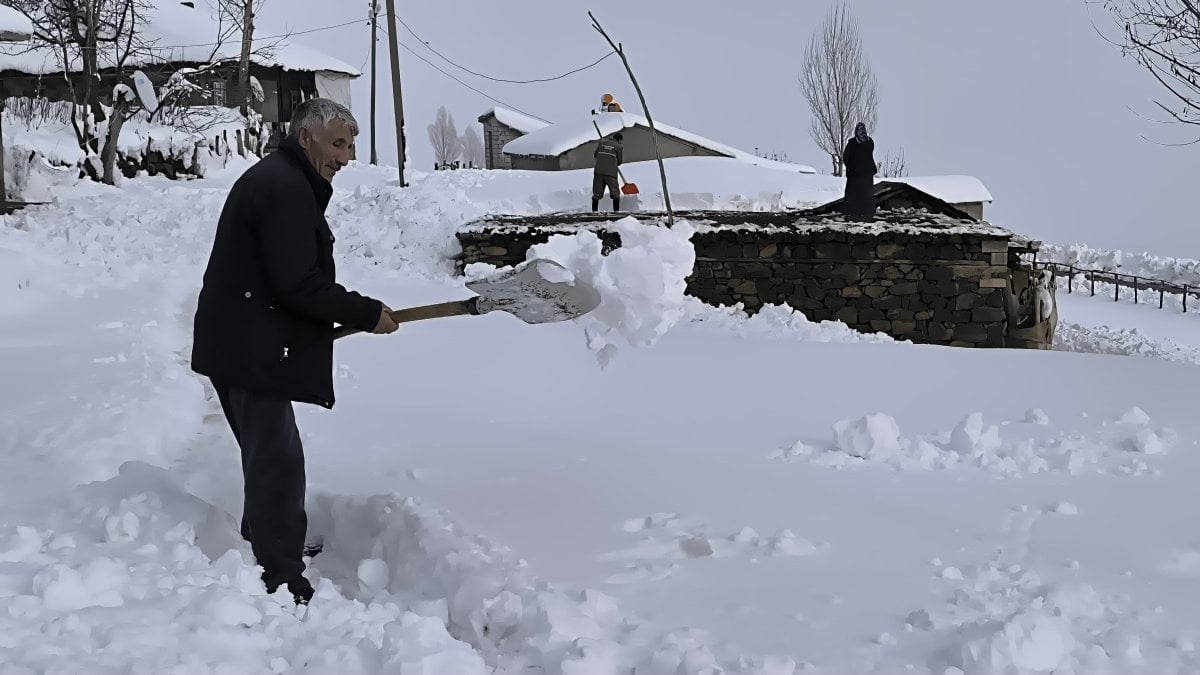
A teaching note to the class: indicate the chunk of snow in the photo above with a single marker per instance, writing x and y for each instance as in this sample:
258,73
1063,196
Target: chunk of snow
1036,416
874,436
641,283
1135,416
971,439
1146,441
1066,509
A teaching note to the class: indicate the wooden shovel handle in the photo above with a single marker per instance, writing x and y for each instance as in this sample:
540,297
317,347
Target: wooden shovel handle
410,314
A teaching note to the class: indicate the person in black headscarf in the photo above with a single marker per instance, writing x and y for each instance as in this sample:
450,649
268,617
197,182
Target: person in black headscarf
859,161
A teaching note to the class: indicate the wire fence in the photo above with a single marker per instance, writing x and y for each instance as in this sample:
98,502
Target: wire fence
1119,280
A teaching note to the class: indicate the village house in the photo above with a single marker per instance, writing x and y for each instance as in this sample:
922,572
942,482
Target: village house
570,144
287,71
500,126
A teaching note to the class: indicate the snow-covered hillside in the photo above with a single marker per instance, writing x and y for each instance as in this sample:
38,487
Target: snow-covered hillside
762,496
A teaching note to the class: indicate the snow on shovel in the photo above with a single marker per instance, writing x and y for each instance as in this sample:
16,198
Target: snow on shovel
536,291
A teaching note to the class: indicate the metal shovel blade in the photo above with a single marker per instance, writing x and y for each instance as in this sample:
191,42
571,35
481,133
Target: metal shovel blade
536,291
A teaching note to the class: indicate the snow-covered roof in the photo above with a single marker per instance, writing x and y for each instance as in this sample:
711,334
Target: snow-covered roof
176,33
555,139
14,26
519,121
950,189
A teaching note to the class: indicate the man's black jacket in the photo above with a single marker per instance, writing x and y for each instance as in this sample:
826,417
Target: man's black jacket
265,317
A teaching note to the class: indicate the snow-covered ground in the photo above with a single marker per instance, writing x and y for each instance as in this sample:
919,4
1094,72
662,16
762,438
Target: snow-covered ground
765,496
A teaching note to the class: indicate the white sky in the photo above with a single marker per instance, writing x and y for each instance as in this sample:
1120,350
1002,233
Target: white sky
1023,93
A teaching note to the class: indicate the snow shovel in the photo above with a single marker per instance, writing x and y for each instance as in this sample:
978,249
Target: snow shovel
627,188
536,291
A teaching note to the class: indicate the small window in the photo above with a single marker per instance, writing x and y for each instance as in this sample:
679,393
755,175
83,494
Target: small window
217,88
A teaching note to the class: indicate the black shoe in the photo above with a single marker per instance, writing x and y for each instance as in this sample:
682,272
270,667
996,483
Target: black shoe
300,588
311,550
595,205
616,204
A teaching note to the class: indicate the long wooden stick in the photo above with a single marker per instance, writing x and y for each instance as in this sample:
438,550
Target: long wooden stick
662,170
408,315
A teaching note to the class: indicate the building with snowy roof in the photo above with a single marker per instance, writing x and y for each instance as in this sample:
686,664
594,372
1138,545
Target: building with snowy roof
966,194
517,141
175,34
500,126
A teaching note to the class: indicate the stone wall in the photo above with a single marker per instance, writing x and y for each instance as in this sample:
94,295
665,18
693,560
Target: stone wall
495,137
949,288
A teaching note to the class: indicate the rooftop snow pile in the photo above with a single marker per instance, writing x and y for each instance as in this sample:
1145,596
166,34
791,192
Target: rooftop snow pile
555,139
515,120
950,189
14,26
174,32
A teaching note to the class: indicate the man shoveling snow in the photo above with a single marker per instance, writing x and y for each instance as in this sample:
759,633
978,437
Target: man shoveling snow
264,325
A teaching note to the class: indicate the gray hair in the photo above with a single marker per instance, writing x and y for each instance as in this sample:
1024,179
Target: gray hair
317,113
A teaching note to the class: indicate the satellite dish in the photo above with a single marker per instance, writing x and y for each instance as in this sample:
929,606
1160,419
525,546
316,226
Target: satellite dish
145,91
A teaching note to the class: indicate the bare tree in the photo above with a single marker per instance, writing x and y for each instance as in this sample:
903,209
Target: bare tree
241,14
1164,37
894,166
447,146
838,83
87,36
472,144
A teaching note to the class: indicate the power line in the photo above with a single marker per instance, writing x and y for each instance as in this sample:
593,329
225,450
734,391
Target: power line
500,79
481,93
267,37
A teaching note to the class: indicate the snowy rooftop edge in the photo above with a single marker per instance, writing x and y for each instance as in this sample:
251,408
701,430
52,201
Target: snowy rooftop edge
14,26
562,137
798,223
519,121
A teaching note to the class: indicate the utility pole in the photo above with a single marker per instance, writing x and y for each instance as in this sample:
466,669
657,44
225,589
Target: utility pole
374,41
398,103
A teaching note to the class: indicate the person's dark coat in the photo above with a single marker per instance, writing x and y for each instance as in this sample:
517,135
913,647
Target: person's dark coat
266,312
609,155
859,161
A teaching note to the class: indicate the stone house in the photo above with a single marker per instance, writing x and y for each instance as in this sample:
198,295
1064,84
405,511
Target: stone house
500,126
924,271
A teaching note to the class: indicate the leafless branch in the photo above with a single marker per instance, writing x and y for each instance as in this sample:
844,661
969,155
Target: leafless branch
1163,36
837,81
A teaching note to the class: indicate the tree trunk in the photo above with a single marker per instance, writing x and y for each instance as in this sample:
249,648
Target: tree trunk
108,156
244,65
3,192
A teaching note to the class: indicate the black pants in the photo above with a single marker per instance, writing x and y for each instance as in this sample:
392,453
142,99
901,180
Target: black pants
859,198
273,519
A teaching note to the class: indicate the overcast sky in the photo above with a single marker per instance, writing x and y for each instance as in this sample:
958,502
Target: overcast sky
1020,93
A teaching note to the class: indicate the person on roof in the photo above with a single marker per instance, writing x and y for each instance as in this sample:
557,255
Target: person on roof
609,156
859,162
609,104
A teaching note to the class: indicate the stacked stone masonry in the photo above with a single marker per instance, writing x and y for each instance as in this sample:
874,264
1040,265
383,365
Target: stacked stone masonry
927,287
